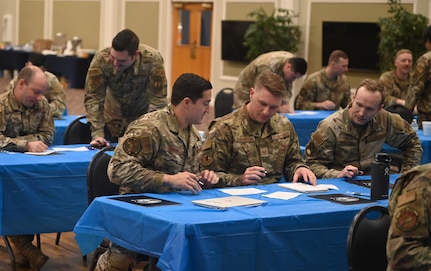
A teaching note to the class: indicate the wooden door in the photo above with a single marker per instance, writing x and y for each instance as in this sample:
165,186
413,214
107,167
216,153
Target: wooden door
191,47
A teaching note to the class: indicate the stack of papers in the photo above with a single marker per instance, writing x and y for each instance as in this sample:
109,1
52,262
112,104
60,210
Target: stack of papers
307,188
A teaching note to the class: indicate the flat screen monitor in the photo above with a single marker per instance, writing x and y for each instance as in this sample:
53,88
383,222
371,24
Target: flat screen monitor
232,39
359,40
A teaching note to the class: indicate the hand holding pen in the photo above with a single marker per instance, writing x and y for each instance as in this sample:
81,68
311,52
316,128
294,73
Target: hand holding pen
349,171
99,142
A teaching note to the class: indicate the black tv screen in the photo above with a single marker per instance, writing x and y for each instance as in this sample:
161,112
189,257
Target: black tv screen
359,40
232,39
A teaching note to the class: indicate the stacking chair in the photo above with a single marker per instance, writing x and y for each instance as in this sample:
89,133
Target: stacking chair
78,132
366,240
98,184
223,102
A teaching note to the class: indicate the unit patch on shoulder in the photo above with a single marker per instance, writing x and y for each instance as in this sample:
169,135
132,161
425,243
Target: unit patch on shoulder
132,146
407,219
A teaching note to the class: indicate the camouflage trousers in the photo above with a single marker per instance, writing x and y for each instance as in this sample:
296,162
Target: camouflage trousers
117,258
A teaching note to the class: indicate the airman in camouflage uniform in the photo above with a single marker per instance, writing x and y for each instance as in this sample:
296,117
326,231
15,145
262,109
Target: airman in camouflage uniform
26,125
397,81
54,94
254,144
344,143
327,89
419,93
160,152
408,246
280,62
122,84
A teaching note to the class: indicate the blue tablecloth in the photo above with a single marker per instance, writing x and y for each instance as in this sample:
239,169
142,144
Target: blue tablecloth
305,122
426,146
60,128
40,194
303,233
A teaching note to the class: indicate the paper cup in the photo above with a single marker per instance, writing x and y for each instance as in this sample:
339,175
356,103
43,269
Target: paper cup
427,127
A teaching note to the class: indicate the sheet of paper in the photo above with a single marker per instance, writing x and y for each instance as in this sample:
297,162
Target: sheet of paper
282,195
71,148
303,187
47,152
303,113
242,191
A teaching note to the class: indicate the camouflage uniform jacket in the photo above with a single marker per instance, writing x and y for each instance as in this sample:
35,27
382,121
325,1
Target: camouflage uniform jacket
272,61
54,94
19,124
154,145
118,97
420,88
318,88
409,239
337,143
235,142
395,88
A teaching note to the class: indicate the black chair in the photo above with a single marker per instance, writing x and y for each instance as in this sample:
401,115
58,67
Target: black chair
366,241
77,132
223,102
402,111
98,184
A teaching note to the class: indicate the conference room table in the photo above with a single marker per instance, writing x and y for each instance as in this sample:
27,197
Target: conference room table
305,122
60,128
426,146
303,233
72,67
42,194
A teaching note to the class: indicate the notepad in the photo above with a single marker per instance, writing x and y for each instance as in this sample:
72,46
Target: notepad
222,203
307,188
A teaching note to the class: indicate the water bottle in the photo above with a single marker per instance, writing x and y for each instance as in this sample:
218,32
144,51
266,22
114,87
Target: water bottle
415,125
380,171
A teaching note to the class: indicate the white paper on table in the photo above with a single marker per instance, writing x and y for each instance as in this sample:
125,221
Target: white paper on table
242,191
47,152
71,149
305,188
282,195
303,113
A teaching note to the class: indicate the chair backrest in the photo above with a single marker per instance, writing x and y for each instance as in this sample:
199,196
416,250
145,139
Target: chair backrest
366,241
98,183
223,102
77,132
402,111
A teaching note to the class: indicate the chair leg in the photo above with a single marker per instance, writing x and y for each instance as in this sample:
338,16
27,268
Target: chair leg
38,240
57,238
11,255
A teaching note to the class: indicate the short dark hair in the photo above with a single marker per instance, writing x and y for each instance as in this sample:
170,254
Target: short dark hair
298,64
189,85
336,55
37,59
427,34
126,40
